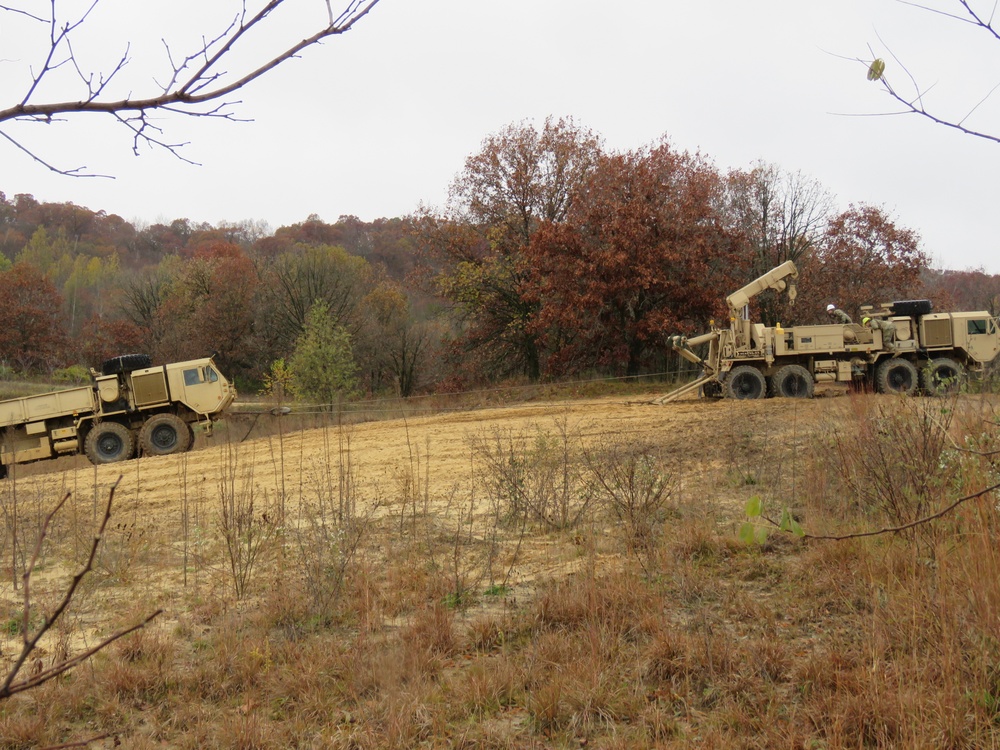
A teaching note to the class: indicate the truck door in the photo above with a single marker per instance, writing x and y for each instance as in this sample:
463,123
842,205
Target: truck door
983,339
205,391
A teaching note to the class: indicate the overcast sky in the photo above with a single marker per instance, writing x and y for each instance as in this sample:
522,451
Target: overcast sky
381,120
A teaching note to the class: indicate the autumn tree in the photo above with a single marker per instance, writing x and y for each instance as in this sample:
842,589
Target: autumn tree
972,289
643,254
90,288
209,307
863,258
87,282
294,281
31,337
107,337
777,216
392,345
143,294
203,81
520,178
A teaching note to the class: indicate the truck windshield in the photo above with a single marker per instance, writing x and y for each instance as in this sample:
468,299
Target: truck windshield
200,375
977,327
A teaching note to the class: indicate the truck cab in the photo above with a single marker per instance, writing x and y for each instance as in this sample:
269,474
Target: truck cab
131,407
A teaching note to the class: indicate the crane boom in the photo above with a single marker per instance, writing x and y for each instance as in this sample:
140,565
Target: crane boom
781,278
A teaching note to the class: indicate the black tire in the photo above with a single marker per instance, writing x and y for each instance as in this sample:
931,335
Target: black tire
792,381
108,443
745,382
712,389
164,434
126,363
897,376
942,376
191,435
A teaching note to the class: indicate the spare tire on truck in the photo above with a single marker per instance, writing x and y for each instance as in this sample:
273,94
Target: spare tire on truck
126,363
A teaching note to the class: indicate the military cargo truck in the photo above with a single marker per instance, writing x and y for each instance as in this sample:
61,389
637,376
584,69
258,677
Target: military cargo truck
899,347
130,407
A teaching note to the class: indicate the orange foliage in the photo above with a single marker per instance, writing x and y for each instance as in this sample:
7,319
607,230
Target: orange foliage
641,256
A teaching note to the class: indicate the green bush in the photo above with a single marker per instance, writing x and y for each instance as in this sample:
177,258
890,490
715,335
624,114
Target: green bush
72,374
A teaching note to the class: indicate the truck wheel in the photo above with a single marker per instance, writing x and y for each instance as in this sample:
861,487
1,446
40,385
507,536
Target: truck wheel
792,381
745,382
712,389
163,434
190,435
109,442
896,376
942,376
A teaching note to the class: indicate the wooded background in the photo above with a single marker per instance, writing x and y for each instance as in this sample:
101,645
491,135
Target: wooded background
554,257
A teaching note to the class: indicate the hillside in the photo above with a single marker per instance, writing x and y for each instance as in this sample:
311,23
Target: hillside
550,574
699,441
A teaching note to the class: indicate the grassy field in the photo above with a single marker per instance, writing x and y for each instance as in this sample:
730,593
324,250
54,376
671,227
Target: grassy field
560,574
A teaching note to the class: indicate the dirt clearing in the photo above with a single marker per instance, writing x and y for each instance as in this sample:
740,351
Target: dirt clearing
703,439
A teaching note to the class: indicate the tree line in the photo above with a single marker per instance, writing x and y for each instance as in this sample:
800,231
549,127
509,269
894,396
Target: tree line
553,257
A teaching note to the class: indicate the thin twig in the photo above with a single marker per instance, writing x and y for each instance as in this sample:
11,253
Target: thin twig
9,687
906,526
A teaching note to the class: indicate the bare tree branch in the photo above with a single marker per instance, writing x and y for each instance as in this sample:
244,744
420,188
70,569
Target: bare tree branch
906,526
11,685
915,104
19,11
74,172
195,80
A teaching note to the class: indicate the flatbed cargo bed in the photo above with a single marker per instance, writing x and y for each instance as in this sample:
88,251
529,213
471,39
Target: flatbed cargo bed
28,409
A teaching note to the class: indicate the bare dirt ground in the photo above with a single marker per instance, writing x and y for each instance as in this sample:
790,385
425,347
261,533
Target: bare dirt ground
167,508
588,634
707,443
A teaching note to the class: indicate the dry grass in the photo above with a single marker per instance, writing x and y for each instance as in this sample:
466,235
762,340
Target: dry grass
589,604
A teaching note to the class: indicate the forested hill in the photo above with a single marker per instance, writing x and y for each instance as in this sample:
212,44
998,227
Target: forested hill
385,242
554,258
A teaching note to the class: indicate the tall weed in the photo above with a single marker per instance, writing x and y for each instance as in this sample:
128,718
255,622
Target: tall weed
635,487
247,526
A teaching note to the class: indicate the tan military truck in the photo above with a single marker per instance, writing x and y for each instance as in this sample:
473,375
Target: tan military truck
902,347
131,406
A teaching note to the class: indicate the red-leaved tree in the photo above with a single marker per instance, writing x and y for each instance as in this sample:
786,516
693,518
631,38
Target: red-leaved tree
521,178
863,258
31,336
642,255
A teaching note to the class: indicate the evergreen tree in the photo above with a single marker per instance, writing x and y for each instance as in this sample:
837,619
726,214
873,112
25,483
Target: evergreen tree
322,364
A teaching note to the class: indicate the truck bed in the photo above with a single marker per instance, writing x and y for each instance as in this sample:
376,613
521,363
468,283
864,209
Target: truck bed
27,409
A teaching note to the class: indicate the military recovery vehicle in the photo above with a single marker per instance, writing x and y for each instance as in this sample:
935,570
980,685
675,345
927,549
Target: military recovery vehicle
903,347
130,407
